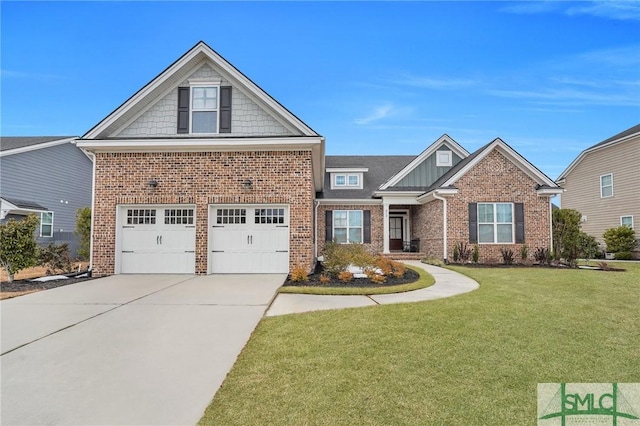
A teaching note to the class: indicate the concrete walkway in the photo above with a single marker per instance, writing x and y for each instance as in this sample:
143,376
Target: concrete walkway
448,283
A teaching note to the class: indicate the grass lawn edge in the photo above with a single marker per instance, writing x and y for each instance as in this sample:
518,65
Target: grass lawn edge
425,280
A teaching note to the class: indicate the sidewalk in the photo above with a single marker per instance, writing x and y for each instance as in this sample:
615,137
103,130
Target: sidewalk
448,283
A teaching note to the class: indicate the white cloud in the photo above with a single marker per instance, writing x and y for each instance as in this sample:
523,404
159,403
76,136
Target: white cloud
433,83
378,113
609,9
28,75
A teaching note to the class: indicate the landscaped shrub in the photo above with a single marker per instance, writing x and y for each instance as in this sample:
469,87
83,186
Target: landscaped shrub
83,231
507,255
325,279
345,276
620,239
476,253
338,257
461,252
588,246
566,231
18,248
543,256
299,274
376,278
524,253
624,255
55,258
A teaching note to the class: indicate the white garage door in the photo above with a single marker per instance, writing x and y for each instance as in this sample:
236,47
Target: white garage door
157,240
248,239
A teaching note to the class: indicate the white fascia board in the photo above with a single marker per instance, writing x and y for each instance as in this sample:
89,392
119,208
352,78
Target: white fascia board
549,192
587,151
36,147
430,196
456,148
347,201
204,144
512,155
347,170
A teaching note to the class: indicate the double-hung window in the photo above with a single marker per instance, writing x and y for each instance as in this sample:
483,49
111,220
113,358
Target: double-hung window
46,224
204,109
626,221
347,226
606,186
495,223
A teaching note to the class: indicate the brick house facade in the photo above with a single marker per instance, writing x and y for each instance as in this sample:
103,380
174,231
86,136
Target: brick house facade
203,172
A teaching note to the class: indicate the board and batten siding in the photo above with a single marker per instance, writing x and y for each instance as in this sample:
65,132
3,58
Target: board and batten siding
48,176
247,118
426,173
582,187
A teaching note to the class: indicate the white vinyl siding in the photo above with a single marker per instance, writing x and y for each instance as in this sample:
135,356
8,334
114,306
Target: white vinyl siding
495,223
347,226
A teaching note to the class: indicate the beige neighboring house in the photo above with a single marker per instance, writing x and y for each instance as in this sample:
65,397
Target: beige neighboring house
603,184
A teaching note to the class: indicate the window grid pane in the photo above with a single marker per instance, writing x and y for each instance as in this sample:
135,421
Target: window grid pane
141,217
495,223
340,180
347,226
354,180
178,217
231,216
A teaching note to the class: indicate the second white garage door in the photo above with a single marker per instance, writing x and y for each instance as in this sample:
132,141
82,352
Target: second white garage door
248,239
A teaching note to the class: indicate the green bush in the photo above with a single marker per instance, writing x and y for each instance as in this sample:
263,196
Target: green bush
624,255
524,253
476,253
83,231
18,248
566,232
620,239
338,257
507,255
588,245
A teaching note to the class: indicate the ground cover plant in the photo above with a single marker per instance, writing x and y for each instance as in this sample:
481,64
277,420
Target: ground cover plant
471,359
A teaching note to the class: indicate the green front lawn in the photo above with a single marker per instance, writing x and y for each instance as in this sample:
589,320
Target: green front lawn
471,359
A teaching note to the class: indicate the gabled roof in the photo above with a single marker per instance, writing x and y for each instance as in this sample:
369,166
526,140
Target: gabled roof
17,144
381,168
444,139
620,137
175,74
23,204
448,180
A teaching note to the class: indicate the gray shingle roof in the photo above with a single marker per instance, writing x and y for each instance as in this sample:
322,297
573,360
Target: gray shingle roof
630,131
381,168
13,142
23,204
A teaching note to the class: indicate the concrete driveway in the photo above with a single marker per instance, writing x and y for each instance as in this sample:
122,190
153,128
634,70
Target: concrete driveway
126,349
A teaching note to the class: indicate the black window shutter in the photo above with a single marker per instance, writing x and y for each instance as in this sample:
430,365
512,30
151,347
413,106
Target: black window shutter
473,222
183,109
328,225
366,228
225,109
519,214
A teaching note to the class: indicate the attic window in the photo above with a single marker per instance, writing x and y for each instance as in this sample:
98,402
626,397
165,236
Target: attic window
444,159
204,109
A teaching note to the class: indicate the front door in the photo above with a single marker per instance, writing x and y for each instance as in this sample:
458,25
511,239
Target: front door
395,233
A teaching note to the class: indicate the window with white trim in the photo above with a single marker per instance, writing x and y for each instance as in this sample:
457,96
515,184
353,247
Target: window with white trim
204,109
444,159
46,224
346,180
495,223
626,221
347,226
606,186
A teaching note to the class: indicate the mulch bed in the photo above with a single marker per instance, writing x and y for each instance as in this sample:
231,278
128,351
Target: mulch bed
314,281
534,265
27,285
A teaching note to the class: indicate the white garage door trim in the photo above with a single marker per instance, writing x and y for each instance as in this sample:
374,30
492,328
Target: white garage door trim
157,238
247,239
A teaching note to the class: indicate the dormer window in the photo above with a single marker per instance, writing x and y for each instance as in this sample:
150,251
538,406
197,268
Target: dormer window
346,180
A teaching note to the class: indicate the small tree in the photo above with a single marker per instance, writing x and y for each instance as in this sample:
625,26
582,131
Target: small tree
566,231
620,239
588,245
18,248
83,231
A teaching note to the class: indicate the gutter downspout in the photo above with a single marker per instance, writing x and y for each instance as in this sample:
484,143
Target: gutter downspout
92,156
315,234
444,223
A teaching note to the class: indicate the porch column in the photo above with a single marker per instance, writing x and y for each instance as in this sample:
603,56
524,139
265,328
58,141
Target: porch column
385,226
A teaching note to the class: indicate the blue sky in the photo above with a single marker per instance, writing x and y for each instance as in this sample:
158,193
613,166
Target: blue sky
549,78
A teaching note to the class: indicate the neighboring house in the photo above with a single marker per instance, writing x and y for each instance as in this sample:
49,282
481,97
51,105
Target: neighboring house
47,176
603,184
201,171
